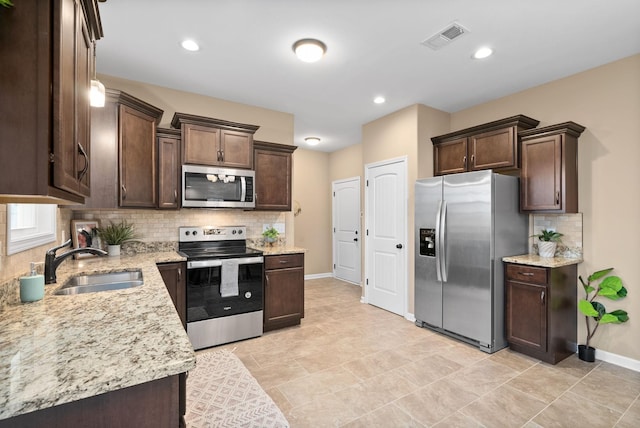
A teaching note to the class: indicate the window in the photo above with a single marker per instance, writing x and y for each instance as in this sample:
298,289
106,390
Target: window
29,226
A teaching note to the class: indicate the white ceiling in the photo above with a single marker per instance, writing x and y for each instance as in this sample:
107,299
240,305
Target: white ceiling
374,48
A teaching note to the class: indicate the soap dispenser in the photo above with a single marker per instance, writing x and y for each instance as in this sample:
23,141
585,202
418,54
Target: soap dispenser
32,286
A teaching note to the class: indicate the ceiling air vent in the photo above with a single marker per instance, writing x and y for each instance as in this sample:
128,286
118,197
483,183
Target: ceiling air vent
445,36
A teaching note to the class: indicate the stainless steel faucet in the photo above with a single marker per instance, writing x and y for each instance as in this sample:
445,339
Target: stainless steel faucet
51,262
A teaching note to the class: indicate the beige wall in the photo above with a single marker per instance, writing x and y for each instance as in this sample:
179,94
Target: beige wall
312,191
275,126
606,100
346,163
406,132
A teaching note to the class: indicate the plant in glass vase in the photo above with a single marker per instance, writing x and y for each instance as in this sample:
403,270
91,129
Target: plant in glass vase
270,235
595,313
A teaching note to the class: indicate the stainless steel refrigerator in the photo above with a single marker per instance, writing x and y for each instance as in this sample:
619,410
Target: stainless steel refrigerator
464,225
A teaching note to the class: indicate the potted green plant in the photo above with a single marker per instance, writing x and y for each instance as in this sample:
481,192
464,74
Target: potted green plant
595,313
270,235
115,234
547,241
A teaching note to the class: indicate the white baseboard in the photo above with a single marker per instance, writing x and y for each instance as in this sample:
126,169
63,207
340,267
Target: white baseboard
364,300
618,360
410,317
318,275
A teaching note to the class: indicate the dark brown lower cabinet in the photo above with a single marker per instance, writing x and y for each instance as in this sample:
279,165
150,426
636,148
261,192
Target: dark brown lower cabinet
174,277
541,310
148,405
283,290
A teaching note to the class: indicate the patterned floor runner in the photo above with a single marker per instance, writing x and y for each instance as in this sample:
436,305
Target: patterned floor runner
222,393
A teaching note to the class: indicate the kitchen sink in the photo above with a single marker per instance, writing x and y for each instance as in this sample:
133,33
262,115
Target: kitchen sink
101,282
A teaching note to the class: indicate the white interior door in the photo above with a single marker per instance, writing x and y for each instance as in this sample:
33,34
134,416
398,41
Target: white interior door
347,237
386,235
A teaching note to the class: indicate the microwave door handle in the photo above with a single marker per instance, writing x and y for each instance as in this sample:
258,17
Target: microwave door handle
243,196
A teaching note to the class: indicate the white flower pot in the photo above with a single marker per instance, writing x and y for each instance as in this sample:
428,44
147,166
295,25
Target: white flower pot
546,248
113,250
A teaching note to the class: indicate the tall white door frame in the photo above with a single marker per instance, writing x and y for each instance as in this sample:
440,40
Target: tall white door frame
399,249
347,233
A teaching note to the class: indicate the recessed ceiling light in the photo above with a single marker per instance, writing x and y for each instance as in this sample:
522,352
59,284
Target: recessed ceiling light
190,45
309,50
379,100
312,141
482,53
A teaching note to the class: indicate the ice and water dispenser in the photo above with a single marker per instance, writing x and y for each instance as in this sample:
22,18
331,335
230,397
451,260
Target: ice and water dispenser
428,242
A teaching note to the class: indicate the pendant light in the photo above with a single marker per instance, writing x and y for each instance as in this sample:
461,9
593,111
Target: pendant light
97,93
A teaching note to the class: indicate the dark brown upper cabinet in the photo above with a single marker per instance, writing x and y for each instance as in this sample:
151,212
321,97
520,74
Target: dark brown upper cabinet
493,145
124,168
215,142
272,164
46,50
169,168
549,174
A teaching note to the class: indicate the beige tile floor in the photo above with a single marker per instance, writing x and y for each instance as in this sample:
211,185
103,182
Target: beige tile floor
355,365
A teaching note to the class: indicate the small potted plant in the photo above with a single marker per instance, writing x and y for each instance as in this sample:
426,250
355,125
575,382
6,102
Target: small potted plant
595,313
115,234
270,235
547,241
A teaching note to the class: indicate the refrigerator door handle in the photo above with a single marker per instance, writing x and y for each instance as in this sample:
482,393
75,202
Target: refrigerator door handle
438,240
443,241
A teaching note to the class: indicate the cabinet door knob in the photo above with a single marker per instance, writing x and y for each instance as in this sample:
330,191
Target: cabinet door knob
526,273
464,161
175,196
557,198
124,192
542,297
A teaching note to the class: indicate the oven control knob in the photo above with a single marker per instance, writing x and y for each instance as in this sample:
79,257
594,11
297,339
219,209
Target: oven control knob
233,232
187,233
195,232
240,232
247,295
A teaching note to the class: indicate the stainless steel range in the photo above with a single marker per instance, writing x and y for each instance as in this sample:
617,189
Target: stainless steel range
224,285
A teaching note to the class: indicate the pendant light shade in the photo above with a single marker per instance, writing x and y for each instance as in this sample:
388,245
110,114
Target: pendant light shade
309,50
97,94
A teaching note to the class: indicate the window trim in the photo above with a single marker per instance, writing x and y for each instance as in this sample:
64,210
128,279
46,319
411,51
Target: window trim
45,229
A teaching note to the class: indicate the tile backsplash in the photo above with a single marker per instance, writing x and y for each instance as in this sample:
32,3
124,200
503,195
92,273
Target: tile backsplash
162,226
570,225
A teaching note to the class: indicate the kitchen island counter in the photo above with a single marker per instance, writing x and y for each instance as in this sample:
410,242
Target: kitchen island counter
67,348
535,260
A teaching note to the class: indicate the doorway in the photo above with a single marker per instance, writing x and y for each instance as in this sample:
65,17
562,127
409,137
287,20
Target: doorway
347,236
386,235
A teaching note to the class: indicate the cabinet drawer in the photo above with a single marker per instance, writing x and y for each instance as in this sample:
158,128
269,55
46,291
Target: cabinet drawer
284,261
532,274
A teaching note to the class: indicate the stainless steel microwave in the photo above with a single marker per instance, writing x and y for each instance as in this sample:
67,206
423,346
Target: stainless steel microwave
212,187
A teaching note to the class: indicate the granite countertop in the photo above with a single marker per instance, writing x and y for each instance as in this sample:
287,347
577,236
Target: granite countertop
274,250
535,260
66,348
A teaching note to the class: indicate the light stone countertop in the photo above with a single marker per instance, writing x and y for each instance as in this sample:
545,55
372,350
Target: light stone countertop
535,260
276,250
66,348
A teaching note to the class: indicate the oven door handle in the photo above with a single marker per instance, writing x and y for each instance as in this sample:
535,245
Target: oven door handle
197,264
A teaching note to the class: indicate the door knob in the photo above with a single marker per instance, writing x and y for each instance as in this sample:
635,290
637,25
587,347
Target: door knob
355,239
399,246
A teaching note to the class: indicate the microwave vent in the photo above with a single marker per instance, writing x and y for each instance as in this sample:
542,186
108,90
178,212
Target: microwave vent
444,37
